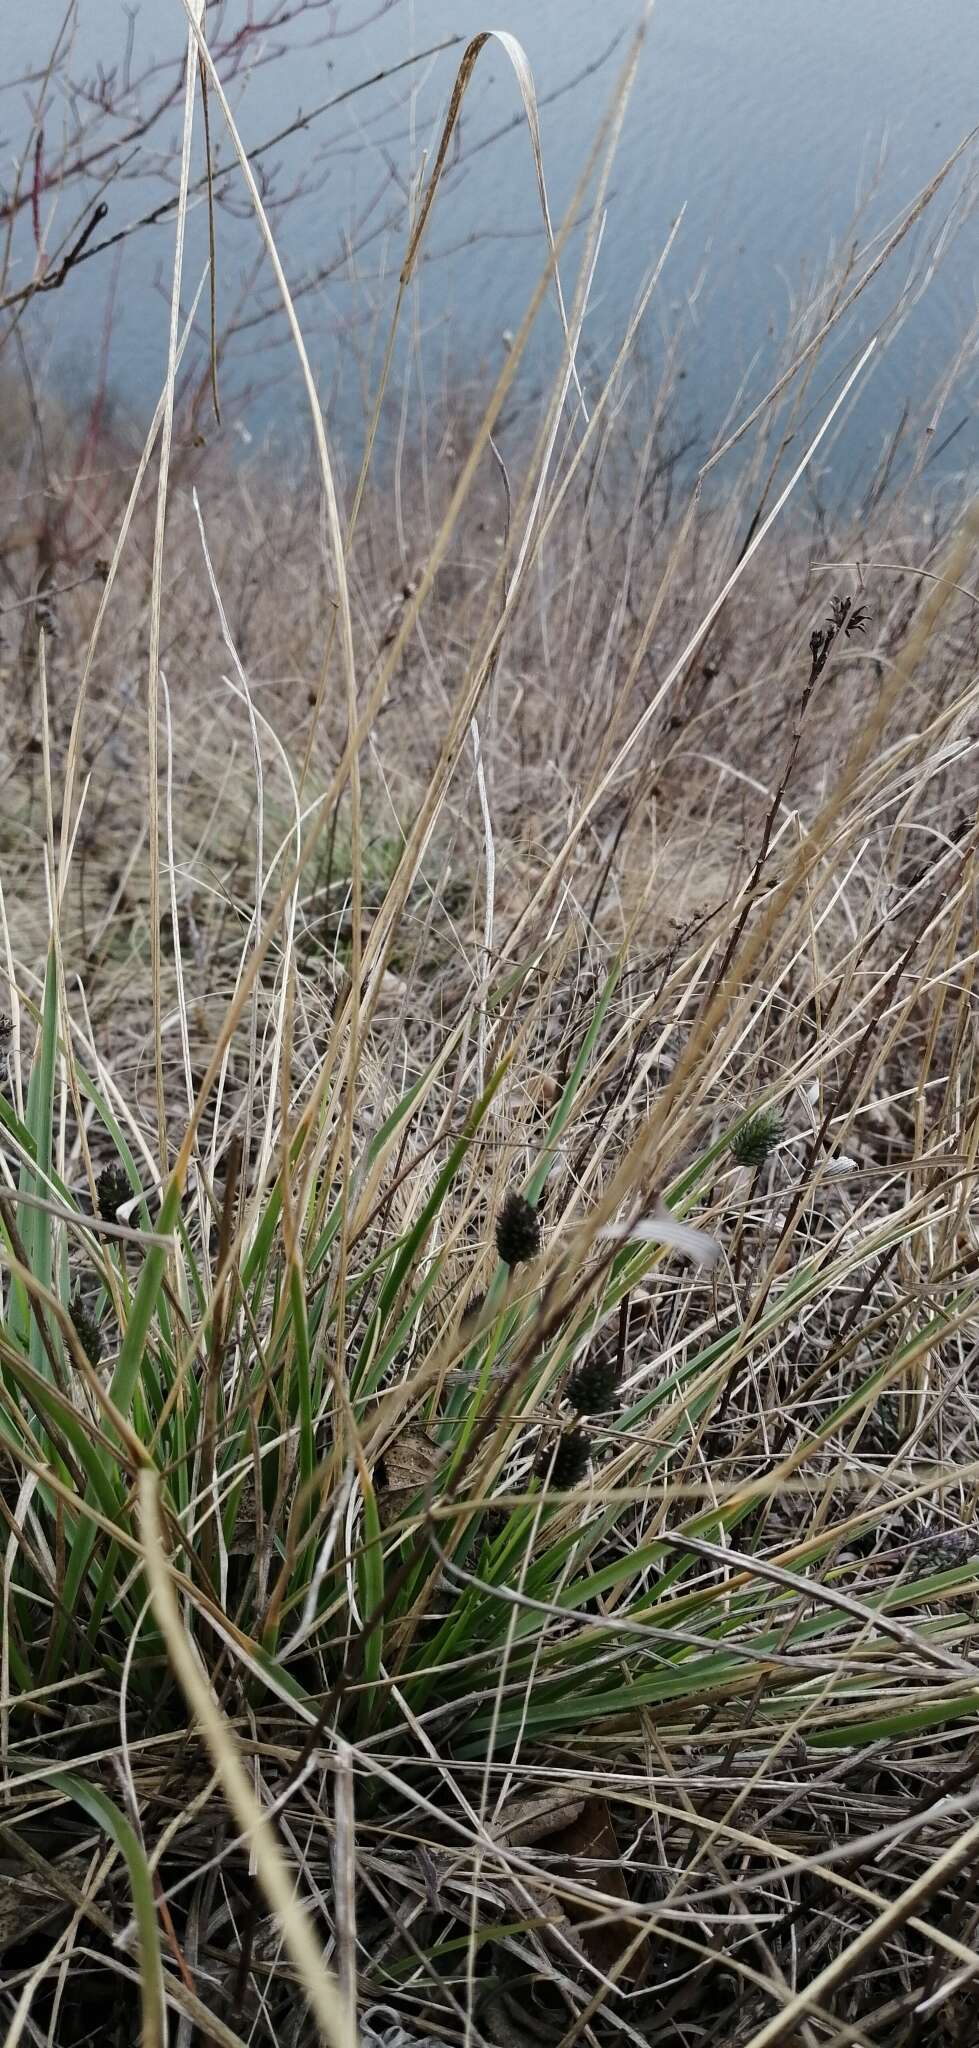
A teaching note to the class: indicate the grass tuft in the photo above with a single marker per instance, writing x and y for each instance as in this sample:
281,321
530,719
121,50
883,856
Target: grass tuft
454,1628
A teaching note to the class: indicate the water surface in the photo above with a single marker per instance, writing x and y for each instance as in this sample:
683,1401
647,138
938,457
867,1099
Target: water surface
771,123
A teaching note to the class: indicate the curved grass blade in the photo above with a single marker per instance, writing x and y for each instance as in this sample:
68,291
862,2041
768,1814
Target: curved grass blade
114,1823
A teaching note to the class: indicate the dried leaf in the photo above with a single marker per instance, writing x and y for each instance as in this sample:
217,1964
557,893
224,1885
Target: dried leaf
524,1821
592,1835
244,1537
408,1465
412,1458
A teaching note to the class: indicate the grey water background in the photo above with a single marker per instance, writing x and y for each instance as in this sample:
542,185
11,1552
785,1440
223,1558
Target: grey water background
773,123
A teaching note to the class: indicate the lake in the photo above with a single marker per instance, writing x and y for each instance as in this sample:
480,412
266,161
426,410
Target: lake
770,123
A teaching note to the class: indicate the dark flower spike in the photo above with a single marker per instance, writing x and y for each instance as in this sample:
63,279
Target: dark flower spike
112,1189
517,1230
846,618
566,1465
86,1329
593,1388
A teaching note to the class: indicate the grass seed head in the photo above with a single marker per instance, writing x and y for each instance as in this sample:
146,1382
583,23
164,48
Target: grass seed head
756,1138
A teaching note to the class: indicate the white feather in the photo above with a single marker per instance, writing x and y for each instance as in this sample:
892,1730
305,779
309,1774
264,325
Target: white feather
663,1228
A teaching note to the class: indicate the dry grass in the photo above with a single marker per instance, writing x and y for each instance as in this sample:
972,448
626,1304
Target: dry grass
527,821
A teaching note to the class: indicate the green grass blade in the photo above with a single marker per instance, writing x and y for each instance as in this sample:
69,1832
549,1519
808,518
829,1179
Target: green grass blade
106,1815
370,1593
34,1224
